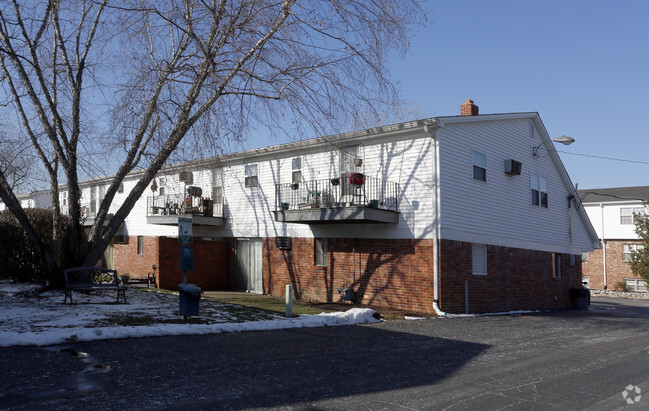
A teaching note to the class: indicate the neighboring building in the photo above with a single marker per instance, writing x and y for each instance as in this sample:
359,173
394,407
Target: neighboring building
35,199
612,212
473,212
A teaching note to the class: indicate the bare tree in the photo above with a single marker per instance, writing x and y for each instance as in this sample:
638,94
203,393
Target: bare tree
182,73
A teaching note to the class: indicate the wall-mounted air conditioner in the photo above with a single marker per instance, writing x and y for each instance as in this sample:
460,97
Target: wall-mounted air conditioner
513,167
186,177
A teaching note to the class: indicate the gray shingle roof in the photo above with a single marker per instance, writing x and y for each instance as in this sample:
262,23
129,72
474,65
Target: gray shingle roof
596,195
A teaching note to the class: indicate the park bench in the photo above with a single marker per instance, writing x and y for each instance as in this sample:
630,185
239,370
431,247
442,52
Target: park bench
92,278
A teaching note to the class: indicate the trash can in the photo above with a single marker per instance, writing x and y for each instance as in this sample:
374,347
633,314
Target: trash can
190,298
580,298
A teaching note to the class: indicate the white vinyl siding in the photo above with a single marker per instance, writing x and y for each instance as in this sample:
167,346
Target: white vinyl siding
499,213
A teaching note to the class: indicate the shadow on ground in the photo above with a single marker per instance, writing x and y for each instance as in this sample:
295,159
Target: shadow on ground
254,369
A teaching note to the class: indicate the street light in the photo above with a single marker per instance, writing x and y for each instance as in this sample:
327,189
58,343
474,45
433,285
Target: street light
565,140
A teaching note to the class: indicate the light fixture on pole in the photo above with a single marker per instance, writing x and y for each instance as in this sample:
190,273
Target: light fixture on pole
565,140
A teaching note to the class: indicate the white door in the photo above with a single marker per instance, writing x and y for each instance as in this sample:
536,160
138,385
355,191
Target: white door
249,265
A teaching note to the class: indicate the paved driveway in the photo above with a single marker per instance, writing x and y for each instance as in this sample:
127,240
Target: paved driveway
560,360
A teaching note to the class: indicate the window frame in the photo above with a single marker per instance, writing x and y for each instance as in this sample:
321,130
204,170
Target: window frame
636,287
251,174
479,169
479,259
320,252
140,245
628,249
556,265
539,191
632,216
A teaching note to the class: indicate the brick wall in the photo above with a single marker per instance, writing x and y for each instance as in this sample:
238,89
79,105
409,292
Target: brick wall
616,269
394,273
126,260
212,264
516,279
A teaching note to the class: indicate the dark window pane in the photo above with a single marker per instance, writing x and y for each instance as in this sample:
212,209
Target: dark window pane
544,200
479,173
535,197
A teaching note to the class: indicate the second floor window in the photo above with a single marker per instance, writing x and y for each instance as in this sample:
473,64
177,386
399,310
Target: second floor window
628,214
539,190
479,166
252,176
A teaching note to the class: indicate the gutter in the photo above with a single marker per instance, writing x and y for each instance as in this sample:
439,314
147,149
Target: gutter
431,130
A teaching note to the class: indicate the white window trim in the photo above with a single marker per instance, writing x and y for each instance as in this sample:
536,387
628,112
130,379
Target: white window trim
474,165
320,249
631,248
539,189
632,215
251,179
479,259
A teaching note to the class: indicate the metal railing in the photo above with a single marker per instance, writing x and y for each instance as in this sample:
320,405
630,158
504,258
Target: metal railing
179,204
347,191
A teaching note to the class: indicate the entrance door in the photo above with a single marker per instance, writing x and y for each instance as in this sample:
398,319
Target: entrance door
249,264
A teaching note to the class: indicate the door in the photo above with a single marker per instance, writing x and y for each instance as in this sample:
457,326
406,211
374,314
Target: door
249,265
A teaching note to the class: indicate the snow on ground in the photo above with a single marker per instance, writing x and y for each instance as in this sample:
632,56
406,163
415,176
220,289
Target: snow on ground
29,318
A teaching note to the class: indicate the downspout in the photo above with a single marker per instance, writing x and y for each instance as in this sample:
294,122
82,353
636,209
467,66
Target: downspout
431,131
601,206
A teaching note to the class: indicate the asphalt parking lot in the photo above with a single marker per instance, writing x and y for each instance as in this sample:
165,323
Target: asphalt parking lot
559,360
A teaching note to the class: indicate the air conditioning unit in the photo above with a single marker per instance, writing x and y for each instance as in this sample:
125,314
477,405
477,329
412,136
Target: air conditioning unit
186,177
513,167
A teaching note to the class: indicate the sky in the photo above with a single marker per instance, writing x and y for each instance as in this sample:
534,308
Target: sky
582,65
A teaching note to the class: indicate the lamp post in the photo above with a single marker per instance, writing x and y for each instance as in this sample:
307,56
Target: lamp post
565,140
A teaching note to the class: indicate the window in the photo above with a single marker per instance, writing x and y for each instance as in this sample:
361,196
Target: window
634,284
585,256
64,198
479,166
320,252
162,191
140,245
556,265
120,189
539,189
252,179
479,257
627,215
585,280
297,173
628,249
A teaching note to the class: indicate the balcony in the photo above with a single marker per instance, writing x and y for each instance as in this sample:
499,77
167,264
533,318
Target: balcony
89,212
352,198
165,210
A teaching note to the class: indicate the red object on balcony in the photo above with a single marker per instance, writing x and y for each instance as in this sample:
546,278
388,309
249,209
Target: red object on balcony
357,179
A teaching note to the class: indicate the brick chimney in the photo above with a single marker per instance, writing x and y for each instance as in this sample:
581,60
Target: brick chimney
468,108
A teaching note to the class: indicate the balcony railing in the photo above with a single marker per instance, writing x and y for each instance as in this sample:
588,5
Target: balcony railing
181,204
351,190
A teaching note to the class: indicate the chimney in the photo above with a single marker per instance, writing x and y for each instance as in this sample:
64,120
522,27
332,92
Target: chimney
468,108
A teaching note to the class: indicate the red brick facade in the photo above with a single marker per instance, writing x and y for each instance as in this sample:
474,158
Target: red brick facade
127,261
395,273
616,269
213,262
389,273
517,279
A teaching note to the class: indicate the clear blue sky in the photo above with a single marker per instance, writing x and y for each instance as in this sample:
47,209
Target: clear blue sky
582,65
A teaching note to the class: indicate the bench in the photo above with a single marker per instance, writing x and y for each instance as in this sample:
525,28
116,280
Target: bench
92,278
